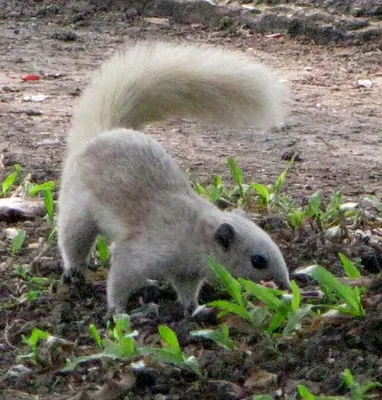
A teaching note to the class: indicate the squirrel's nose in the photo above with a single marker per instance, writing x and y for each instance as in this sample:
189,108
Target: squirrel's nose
283,284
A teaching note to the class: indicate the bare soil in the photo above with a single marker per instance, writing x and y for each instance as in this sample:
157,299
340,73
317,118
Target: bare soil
334,123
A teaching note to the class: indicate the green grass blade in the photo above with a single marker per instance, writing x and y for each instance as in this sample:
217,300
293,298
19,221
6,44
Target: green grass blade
72,364
52,235
236,171
263,294
96,335
221,337
103,250
295,318
232,286
166,355
169,336
122,325
34,190
263,191
330,283
276,322
305,393
36,336
17,242
281,180
315,204
296,299
349,267
11,179
49,204
232,308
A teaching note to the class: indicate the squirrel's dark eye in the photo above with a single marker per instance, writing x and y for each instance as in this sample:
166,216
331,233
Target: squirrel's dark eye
259,262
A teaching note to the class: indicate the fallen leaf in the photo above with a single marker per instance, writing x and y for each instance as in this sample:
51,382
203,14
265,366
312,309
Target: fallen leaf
31,77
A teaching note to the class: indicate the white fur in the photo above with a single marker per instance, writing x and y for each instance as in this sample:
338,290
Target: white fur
123,184
150,82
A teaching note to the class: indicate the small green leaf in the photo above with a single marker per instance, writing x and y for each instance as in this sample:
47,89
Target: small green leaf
33,340
236,171
23,270
125,348
40,281
370,386
103,250
200,189
96,335
36,336
232,286
296,218
350,268
192,363
52,235
296,299
305,393
169,336
221,336
232,308
263,192
334,288
266,295
166,355
122,325
218,181
33,295
49,204
349,378
18,242
215,194
276,322
281,180
128,347
72,364
259,316
11,179
333,210
295,318
315,204
34,190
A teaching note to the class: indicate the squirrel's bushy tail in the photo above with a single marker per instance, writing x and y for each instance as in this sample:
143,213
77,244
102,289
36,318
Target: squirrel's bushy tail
150,82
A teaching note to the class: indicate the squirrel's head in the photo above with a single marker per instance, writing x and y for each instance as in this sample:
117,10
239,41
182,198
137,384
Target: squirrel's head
247,251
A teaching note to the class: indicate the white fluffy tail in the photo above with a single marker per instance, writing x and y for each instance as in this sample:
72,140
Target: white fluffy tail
150,82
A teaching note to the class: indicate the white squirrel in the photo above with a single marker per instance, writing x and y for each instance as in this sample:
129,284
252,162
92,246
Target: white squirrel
121,183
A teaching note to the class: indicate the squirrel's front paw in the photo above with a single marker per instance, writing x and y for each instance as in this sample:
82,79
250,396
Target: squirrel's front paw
74,277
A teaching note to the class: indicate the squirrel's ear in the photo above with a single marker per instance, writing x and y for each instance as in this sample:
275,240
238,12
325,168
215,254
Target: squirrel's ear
225,235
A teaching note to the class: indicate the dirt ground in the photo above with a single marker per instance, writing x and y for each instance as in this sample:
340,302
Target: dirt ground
334,123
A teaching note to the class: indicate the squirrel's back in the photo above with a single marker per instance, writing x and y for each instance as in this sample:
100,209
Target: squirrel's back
129,163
